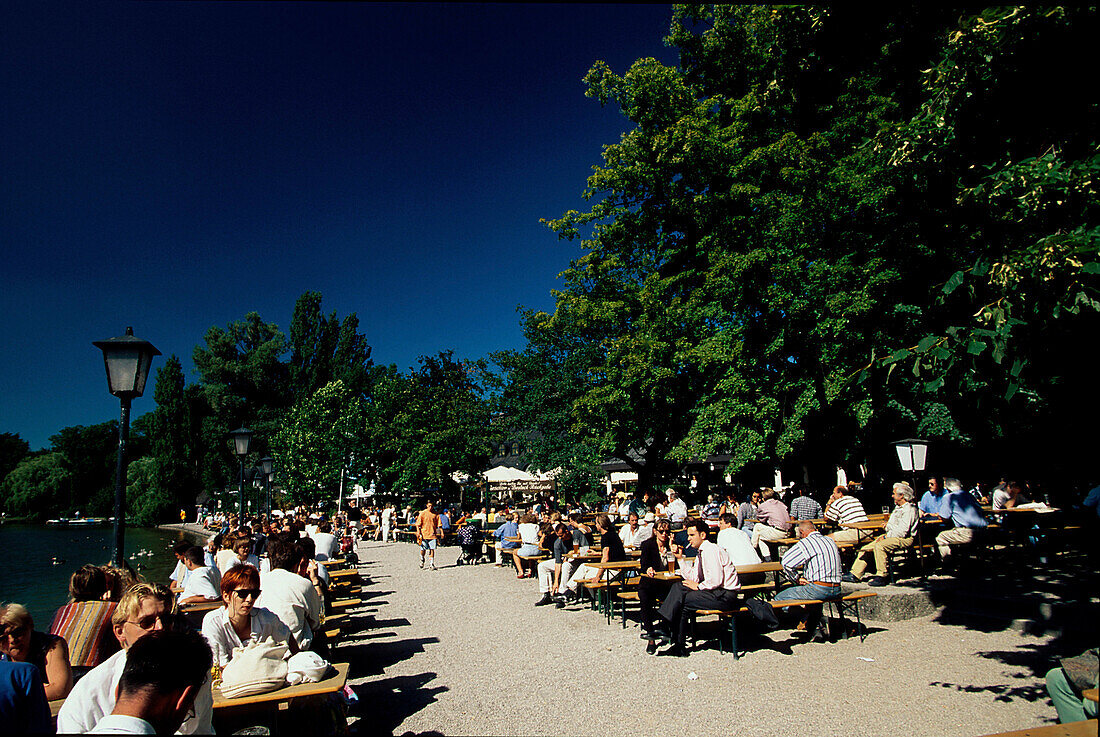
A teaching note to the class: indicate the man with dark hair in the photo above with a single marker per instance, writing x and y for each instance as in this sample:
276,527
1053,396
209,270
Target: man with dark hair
203,582
165,672
178,579
549,570
294,599
144,609
708,581
325,541
804,506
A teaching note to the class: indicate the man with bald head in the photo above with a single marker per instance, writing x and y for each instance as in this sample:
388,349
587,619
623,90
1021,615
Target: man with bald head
814,561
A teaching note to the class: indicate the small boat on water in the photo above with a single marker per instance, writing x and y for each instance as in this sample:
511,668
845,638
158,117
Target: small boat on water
77,522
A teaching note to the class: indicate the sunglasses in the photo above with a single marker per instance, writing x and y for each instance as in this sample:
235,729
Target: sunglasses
15,632
245,593
149,622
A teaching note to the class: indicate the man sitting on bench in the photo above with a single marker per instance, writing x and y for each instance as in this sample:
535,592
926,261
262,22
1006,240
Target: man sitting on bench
819,559
709,582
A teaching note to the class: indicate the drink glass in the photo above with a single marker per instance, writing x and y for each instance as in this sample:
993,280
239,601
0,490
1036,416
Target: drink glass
576,548
885,509
671,562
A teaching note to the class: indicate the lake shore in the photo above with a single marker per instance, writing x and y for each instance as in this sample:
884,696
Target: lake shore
191,529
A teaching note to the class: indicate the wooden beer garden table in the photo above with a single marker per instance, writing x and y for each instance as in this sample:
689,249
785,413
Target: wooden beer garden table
335,682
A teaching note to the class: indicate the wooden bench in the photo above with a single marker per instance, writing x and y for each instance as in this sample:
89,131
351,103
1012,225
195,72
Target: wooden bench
842,604
1086,728
345,603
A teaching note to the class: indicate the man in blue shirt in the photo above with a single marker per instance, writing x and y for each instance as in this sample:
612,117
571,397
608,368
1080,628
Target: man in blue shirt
932,499
959,510
23,705
506,530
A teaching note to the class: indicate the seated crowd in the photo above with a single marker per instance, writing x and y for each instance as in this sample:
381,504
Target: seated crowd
123,655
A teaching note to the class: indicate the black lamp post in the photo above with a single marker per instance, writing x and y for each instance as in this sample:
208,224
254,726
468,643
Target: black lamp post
242,443
913,457
267,465
127,360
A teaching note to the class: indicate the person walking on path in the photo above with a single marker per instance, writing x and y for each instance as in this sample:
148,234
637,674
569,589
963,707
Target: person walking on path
428,531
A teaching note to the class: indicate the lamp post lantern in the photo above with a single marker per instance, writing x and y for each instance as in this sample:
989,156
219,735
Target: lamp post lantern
242,443
267,465
127,360
913,457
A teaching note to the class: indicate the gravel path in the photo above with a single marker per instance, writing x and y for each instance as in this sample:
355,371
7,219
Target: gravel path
463,651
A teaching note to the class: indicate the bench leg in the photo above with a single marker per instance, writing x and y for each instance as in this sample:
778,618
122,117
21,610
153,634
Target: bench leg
733,635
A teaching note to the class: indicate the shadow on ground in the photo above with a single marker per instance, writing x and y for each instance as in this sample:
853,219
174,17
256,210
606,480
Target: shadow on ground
372,658
402,696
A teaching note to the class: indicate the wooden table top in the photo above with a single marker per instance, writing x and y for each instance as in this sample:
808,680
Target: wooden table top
869,524
331,684
618,565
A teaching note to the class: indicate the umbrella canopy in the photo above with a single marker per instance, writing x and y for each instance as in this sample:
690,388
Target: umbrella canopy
505,473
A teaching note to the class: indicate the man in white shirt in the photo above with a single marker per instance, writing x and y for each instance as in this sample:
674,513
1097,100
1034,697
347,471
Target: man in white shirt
326,542
203,582
844,509
632,534
709,581
179,574
736,542
676,510
143,609
295,600
163,675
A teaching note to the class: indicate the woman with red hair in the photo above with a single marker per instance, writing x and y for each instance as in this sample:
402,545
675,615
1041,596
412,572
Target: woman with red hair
239,620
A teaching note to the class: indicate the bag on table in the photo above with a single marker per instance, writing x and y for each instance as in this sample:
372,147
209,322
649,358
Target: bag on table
256,668
306,667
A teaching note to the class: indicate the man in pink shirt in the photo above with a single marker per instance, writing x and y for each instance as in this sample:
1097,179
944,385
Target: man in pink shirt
709,582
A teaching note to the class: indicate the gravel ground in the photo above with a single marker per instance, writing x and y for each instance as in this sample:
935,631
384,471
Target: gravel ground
463,651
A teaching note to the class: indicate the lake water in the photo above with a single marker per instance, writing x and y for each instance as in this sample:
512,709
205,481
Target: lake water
28,576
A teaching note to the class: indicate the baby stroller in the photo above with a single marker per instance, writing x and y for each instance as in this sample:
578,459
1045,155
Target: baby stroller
469,537
347,548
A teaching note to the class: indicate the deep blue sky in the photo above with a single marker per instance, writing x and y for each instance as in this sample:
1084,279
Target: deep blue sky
174,166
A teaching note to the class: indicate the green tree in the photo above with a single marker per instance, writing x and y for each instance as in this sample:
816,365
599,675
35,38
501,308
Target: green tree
317,440
148,501
244,380
770,231
536,389
13,449
89,454
324,348
36,487
438,426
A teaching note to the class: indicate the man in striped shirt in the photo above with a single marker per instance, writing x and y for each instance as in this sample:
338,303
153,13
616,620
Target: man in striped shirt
819,578
845,509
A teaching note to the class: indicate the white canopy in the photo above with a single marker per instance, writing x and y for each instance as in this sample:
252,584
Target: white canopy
505,473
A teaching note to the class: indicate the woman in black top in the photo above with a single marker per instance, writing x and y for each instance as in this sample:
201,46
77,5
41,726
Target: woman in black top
651,589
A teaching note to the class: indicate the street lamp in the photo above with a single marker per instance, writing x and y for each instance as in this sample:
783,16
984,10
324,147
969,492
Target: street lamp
127,360
242,442
912,454
267,465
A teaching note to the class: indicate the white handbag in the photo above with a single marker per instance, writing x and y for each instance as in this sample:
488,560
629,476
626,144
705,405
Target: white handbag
306,667
256,668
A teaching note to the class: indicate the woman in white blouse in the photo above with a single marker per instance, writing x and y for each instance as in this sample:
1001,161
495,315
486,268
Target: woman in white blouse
239,620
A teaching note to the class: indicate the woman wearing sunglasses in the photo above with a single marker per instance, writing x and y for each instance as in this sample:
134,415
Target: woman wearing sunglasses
240,620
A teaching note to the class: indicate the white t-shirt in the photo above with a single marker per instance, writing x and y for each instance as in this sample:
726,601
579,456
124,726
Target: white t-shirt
205,582
93,698
294,601
739,546
223,559
122,724
676,510
219,632
529,533
635,538
327,545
